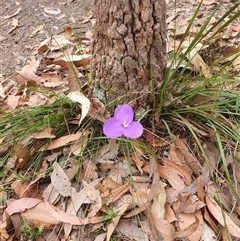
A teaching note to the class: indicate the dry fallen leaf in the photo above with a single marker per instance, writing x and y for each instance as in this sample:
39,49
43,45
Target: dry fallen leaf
173,178
22,189
13,14
159,200
61,216
27,74
189,230
225,219
50,194
21,205
208,2
36,30
21,154
180,170
106,153
77,199
94,196
45,133
60,181
68,33
185,222
54,43
78,147
188,157
78,60
65,140
165,228
14,25
131,231
112,226
77,96
198,63
54,11
39,215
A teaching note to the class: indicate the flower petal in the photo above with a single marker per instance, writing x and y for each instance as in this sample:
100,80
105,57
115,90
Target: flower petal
124,113
134,130
113,128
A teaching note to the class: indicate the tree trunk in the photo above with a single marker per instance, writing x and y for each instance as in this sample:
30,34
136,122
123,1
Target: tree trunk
129,50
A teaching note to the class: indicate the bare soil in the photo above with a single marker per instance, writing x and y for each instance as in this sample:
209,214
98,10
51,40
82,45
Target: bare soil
17,45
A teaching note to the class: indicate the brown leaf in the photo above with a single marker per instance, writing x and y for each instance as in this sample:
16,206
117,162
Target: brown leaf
190,160
45,133
120,191
17,222
171,176
50,194
59,42
135,211
77,199
101,237
12,102
14,25
3,232
87,18
54,11
131,231
106,153
32,190
208,2
22,154
73,77
75,204
23,190
112,226
140,196
66,218
116,176
78,147
68,33
189,230
170,18
52,78
188,203
44,46
165,228
21,205
13,14
137,159
222,217
39,215
95,197
169,214
198,63
27,75
65,140
36,30
159,200
180,170
167,173
78,60
97,110
60,181
89,171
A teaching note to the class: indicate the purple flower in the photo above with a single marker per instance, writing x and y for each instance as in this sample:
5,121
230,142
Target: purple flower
122,124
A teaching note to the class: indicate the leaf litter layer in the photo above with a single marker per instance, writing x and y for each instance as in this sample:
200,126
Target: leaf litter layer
179,181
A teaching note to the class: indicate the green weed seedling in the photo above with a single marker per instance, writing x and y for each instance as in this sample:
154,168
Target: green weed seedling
111,214
31,232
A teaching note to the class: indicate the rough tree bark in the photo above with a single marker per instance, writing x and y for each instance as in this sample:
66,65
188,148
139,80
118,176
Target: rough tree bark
129,49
